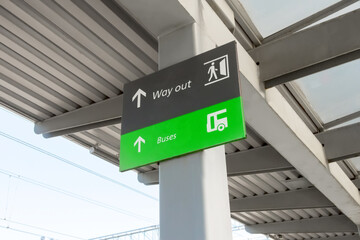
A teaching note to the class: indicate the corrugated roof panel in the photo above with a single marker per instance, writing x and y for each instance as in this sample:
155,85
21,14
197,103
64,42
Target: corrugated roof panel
302,213
258,184
274,217
39,42
114,14
233,192
109,139
241,189
111,131
244,181
41,80
73,47
293,215
31,96
99,25
258,181
253,217
18,102
101,140
267,218
282,214
288,237
100,37
272,181
28,14
230,148
243,219
83,137
84,36
241,145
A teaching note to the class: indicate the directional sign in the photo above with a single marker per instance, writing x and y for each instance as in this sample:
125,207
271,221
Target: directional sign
192,105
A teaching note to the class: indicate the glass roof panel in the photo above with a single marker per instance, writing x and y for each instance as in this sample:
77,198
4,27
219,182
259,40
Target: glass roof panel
272,16
333,93
356,162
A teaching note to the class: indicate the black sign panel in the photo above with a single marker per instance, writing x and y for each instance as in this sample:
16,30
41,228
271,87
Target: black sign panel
193,84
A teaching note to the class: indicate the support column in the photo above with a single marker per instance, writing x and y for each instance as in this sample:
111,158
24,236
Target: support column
194,198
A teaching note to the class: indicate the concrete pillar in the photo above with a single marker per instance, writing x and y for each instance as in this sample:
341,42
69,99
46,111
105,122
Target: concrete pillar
194,198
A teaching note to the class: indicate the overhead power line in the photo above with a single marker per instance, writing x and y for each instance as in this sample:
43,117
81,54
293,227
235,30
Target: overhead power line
155,229
74,195
129,233
29,145
42,229
26,232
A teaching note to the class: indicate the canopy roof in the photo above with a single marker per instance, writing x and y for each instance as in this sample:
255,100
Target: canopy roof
62,61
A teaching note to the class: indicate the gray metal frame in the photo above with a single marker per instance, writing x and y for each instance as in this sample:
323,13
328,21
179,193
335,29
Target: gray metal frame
298,199
304,52
338,223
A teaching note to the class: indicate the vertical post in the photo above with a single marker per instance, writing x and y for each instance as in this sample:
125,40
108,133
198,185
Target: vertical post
194,198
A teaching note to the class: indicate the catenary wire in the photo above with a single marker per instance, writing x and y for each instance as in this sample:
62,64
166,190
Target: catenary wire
40,228
74,195
74,164
26,232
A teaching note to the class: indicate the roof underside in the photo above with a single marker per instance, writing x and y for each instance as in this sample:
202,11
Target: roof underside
63,55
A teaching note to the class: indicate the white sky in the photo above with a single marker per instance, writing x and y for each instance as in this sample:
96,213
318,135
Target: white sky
26,203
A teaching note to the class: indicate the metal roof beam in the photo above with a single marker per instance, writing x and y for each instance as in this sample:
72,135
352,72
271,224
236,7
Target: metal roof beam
309,20
245,22
97,152
224,12
257,160
299,199
152,177
341,143
104,113
349,237
342,120
339,223
309,51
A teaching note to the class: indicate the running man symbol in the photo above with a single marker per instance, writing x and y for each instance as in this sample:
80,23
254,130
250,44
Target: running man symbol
212,70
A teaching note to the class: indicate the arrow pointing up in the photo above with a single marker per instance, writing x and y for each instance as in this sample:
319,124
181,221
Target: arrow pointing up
138,141
137,95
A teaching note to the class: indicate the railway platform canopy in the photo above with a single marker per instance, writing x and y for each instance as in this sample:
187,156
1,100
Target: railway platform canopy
64,64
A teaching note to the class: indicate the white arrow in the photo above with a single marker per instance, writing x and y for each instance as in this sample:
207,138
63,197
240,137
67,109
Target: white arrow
138,141
137,95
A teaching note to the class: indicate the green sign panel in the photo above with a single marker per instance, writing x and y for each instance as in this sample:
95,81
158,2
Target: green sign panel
187,107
